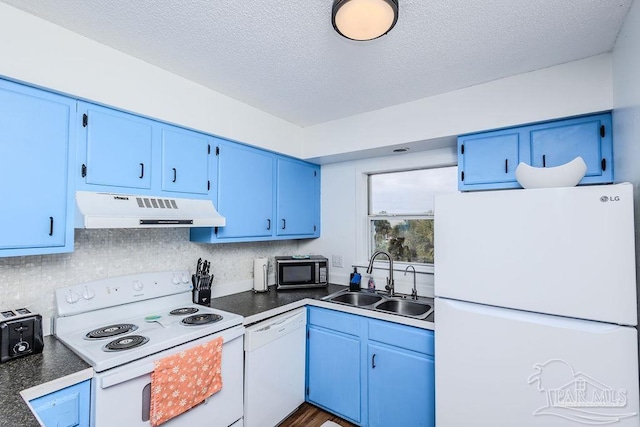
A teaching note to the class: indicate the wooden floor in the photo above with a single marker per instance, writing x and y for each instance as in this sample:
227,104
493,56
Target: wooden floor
310,416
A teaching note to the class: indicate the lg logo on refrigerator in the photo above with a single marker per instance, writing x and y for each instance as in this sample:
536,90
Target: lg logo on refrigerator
604,199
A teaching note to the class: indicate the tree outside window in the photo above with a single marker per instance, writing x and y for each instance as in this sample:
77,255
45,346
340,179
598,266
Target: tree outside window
401,211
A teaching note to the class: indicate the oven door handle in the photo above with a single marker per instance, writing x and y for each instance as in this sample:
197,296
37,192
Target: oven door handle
120,377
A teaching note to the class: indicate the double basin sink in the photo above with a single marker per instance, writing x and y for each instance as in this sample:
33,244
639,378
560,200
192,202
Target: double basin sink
383,303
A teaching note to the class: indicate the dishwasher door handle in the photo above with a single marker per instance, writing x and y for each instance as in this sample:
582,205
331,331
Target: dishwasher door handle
280,323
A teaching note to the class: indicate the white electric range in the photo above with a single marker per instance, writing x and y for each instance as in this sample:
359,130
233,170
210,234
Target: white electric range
122,325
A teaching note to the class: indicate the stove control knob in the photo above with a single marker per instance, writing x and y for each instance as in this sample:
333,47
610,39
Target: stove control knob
72,297
88,294
175,280
184,279
138,285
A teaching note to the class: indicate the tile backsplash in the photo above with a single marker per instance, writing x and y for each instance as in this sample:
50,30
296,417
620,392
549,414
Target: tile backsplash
30,281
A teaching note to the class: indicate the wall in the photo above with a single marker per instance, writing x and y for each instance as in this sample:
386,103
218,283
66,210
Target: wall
40,53
344,210
569,89
30,281
626,115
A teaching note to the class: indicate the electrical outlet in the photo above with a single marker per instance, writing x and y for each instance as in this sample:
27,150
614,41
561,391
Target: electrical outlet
336,261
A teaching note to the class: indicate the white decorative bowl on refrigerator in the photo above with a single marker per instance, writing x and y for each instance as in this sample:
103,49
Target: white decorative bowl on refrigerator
567,175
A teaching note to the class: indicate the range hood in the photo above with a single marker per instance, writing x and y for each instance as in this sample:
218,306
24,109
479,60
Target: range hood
108,210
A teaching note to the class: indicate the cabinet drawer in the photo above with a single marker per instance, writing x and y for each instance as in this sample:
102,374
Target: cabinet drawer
330,319
407,337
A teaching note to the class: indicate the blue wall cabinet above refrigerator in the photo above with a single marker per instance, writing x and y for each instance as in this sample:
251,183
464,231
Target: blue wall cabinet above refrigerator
185,160
372,372
115,148
35,132
298,196
68,407
488,160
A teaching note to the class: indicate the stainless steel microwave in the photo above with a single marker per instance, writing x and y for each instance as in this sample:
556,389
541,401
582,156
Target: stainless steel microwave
310,271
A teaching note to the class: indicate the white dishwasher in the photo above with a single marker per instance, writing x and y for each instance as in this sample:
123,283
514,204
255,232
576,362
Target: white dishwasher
274,366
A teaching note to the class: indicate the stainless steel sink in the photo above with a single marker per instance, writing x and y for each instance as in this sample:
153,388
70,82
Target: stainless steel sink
399,305
357,298
403,307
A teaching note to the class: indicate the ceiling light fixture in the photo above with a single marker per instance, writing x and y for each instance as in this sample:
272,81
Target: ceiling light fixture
364,19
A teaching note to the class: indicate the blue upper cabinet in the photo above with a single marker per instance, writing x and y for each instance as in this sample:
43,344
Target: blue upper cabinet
35,132
185,160
298,195
115,148
488,160
554,144
263,196
245,191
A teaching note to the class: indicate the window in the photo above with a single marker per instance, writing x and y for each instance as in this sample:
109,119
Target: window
401,211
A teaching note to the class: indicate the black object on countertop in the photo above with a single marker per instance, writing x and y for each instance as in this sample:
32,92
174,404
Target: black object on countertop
201,281
354,280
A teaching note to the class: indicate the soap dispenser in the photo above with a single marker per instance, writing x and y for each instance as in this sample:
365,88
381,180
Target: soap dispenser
354,280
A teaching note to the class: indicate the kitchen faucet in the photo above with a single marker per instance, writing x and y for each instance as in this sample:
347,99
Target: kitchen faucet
389,286
414,292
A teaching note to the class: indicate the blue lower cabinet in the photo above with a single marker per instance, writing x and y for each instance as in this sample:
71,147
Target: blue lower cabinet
401,387
68,407
370,372
333,377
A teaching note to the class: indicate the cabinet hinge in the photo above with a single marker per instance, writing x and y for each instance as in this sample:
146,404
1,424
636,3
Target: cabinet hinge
83,170
602,133
314,228
208,185
217,151
208,148
462,149
307,334
603,164
307,391
462,176
315,173
85,120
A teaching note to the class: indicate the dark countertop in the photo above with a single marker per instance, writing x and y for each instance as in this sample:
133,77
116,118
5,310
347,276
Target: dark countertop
255,307
55,361
249,304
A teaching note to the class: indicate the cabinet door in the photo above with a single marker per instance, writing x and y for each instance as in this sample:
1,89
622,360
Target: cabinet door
333,376
489,160
185,160
35,132
401,387
298,198
118,147
245,191
556,143
64,408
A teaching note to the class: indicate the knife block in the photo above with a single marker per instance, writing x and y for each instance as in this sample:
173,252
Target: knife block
202,297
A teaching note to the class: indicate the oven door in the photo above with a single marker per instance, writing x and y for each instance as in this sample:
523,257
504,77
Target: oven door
121,396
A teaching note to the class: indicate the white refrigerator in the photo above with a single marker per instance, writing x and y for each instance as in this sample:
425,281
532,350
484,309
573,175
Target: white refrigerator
536,308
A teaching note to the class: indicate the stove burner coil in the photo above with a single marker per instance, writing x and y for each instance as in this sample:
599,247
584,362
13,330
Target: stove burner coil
110,331
183,311
201,319
126,343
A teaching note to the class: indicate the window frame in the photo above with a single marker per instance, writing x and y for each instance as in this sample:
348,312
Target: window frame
436,159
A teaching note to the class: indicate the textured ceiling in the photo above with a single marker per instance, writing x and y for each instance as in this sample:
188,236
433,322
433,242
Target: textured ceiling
283,56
